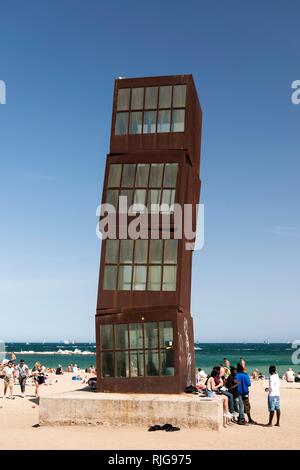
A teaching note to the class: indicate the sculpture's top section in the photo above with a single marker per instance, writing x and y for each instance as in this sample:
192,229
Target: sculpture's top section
156,113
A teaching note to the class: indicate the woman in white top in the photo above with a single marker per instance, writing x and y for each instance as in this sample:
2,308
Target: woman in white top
9,378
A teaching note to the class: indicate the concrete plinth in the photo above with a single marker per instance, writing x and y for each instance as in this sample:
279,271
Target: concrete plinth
116,409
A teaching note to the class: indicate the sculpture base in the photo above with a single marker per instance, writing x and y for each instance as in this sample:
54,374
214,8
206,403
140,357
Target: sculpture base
117,409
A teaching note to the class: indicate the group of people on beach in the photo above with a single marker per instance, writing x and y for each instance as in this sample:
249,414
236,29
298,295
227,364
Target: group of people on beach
13,372
231,385
10,372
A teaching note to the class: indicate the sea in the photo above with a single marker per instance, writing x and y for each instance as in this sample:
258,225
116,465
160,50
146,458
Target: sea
257,355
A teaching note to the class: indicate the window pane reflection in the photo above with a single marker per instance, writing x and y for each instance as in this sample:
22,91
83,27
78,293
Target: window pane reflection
114,176
106,332
137,364
123,99
151,335
121,336
122,365
165,95
169,278
154,277
112,251
170,175
152,366
107,364
178,116
155,253
151,97
156,175
137,98
139,278
128,175
110,277
141,250
124,277
163,123
166,362
142,174
179,94
149,122
135,122
136,335
121,123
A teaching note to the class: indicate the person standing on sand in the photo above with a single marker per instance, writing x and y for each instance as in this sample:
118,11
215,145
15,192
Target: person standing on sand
273,396
9,378
38,377
23,372
243,388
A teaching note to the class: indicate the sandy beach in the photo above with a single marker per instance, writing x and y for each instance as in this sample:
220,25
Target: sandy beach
19,430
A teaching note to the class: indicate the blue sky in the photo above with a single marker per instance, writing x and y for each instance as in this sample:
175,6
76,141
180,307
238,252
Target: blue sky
59,59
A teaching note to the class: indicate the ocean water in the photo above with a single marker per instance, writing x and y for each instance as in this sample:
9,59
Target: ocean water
257,355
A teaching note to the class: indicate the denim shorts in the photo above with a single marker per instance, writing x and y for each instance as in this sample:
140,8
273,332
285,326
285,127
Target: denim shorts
273,403
210,393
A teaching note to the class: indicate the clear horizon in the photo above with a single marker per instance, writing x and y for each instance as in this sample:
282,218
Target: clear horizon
59,60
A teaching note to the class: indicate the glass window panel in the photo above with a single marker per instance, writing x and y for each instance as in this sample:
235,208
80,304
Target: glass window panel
155,252
142,175
124,277
167,362
110,277
139,278
136,364
122,364
126,251
166,334
140,196
170,254
140,251
114,176
154,200
128,175
106,332
123,99
112,197
165,95
136,335
163,123
121,336
178,116
151,335
168,197
152,365
121,123
149,122
151,97
179,94
170,175
169,278
128,193
107,364
137,98
156,175
154,277
111,251
135,122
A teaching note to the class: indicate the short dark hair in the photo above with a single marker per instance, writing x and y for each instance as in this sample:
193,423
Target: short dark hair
233,370
240,368
22,360
272,369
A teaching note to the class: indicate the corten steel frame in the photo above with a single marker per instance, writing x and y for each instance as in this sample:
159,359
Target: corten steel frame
123,307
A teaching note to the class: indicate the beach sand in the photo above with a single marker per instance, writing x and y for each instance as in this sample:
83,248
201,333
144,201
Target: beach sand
20,416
